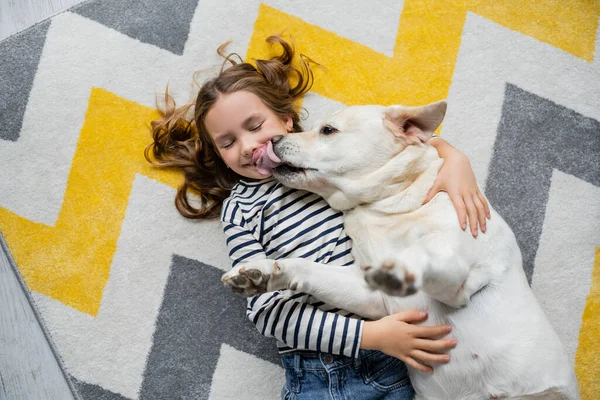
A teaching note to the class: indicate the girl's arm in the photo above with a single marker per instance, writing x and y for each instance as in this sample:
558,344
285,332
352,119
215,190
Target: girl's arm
289,316
457,179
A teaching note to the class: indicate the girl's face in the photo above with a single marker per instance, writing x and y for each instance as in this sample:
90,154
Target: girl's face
239,123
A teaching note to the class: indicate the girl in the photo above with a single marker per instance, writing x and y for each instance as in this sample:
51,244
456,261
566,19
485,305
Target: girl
326,351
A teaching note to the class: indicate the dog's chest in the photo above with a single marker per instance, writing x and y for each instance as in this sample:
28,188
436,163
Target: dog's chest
375,235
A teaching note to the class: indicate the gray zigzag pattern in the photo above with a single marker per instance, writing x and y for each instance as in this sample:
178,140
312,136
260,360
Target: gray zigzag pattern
197,315
161,23
535,136
19,58
88,391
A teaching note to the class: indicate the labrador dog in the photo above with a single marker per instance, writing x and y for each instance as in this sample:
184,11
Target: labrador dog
375,164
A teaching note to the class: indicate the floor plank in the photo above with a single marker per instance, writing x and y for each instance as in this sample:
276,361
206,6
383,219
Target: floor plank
18,15
28,367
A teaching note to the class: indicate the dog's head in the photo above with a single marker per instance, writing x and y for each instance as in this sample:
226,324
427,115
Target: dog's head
354,145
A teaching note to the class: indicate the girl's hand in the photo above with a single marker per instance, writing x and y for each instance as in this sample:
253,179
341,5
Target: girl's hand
458,180
395,336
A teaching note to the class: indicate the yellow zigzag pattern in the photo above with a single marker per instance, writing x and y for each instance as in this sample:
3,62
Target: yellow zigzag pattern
587,358
426,47
70,262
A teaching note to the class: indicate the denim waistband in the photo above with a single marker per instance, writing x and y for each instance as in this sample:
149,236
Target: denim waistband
316,361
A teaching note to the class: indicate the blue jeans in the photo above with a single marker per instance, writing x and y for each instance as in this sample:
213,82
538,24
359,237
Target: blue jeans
373,375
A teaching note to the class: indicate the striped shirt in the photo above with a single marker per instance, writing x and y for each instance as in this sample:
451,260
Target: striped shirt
265,219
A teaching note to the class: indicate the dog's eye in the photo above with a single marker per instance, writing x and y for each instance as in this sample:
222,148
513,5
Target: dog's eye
328,130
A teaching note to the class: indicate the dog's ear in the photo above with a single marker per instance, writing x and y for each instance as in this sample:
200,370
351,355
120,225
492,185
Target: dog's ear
415,124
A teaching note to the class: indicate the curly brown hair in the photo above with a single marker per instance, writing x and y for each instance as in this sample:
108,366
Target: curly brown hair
184,143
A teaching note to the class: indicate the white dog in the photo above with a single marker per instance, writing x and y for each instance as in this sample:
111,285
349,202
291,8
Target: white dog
375,164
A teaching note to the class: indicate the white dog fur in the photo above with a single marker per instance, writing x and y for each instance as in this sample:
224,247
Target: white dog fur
375,164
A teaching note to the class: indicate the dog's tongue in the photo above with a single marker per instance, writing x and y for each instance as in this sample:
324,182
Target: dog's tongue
265,159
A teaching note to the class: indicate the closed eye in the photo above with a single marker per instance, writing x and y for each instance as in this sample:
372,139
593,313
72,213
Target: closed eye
227,145
328,130
256,127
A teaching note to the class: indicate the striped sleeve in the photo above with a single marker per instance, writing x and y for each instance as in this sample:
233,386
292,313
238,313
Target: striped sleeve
286,315
242,246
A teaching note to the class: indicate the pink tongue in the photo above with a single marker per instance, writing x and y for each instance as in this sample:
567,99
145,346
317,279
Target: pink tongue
265,159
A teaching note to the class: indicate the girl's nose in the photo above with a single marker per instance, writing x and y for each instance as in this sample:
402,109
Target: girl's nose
248,148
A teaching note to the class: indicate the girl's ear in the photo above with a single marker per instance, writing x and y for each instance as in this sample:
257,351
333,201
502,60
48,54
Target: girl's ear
289,123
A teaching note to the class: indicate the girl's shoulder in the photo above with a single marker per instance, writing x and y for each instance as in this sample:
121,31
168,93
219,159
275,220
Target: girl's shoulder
246,193
249,189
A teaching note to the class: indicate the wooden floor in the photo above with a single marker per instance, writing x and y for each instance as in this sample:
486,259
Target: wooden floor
29,369
28,366
17,15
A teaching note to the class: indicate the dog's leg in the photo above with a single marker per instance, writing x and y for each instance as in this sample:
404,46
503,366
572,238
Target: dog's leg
342,287
430,265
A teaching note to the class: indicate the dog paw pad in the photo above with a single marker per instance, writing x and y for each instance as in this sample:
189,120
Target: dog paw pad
251,278
391,280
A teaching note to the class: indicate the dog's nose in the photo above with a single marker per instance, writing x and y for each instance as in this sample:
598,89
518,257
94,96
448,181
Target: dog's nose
276,139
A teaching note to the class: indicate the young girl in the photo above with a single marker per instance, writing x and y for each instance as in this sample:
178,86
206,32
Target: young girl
326,352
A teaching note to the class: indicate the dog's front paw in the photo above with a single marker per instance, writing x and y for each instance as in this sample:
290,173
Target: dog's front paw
393,278
255,277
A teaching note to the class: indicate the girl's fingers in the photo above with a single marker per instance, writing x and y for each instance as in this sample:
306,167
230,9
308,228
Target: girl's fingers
435,346
485,203
461,210
480,213
472,212
431,331
430,357
429,196
412,363
411,316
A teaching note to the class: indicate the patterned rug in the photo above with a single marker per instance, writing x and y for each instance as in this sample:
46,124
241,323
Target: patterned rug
129,290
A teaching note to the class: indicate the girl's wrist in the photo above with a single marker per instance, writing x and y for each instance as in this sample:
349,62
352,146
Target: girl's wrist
368,340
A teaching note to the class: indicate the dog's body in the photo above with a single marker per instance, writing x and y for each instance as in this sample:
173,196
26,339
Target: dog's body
375,165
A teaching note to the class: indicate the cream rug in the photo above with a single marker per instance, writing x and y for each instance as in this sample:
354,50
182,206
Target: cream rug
129,290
